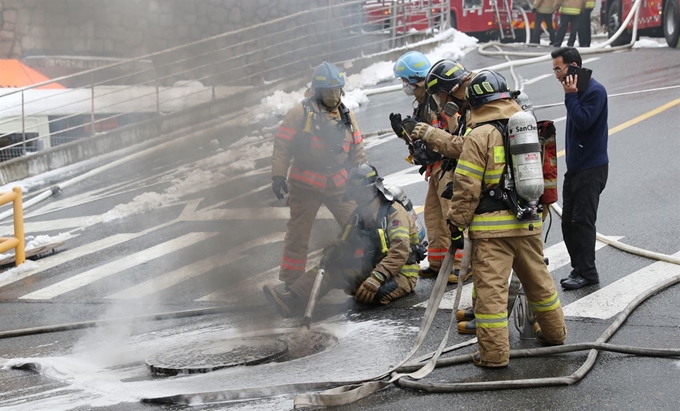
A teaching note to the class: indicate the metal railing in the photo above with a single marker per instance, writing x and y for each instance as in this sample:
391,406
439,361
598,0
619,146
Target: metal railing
17,242
261,55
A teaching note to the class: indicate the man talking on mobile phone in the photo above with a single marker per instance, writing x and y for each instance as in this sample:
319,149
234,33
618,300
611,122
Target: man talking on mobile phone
587,161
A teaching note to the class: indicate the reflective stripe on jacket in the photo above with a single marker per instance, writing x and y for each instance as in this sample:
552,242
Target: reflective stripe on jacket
313,163
480,167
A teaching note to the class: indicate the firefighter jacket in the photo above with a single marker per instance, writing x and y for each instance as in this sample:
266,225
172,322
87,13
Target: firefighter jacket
320,143
480,168
544,6
570,7
396,237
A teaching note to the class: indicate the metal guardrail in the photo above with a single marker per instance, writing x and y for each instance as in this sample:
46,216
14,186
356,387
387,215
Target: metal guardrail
17,242
266,54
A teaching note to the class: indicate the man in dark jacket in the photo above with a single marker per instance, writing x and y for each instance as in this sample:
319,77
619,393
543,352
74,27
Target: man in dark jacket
587,167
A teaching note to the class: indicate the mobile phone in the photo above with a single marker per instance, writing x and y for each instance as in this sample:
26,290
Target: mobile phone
583,77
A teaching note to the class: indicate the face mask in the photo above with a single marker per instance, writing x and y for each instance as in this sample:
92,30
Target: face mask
409,89
331,97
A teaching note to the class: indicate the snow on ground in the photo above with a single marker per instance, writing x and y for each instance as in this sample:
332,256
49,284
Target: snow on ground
25,267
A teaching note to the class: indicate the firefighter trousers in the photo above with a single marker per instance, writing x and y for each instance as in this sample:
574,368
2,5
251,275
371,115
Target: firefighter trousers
304,205
435,210
349,280
493,259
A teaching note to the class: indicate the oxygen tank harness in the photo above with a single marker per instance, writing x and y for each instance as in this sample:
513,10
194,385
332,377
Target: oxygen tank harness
521,183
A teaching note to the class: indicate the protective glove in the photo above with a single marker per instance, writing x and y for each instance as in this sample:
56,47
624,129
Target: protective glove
421,131
457,238
279,184
395,120
368,289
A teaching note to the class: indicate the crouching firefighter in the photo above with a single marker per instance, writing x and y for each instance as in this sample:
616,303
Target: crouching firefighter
375,259
503,217
412,68
320,135
445,84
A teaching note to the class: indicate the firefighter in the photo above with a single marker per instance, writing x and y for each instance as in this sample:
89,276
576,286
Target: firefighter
501,241
376,257
584,30
445,83
412,68
322,138
543,11
570,15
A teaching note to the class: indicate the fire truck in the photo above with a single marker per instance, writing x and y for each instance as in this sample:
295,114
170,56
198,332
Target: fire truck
657,18
485,19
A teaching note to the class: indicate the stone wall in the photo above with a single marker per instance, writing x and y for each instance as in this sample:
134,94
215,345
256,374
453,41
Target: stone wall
126,28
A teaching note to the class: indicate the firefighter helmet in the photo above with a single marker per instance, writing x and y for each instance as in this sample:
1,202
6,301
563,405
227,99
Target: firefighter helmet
364,184
486,86
444,76
327,75
413,66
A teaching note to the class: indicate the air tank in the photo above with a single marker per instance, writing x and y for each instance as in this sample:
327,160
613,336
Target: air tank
525,150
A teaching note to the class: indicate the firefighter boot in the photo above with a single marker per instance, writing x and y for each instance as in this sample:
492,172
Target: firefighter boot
453,278
477,360
428,272
539,337
465,315
467,327
286,302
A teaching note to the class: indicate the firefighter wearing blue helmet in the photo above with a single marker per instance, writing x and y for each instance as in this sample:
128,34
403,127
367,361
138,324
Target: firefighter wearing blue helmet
321,138
412,68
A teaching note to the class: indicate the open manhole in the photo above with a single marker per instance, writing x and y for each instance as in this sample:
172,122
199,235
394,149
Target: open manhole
207,356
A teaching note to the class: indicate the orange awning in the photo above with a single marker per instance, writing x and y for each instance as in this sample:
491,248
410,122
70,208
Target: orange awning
15,74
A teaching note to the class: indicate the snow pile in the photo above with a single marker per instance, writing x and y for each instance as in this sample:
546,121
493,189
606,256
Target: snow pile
27,266
280,102
43,240
199,176
648,43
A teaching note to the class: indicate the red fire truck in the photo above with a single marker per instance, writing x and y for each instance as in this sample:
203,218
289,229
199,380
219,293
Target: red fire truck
657,18
484,19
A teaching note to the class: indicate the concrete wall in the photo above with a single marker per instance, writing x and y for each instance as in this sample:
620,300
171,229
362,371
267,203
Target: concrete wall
126,28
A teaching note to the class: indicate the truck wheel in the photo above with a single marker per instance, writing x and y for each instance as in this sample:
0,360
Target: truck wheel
671,23
614,19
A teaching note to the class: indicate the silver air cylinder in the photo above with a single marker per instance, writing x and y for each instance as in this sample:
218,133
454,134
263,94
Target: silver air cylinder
525,149
402,198
524,102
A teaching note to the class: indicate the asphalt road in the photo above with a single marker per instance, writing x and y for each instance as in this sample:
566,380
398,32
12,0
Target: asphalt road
211,235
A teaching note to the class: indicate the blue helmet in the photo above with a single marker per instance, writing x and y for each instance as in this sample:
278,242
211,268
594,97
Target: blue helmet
412,65
327,75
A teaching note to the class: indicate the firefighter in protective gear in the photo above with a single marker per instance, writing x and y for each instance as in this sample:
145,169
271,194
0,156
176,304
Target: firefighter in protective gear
376,257
412,68
445,83
570,15
320,135
500,241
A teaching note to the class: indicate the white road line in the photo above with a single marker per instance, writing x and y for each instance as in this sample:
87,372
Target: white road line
539,78
255,283
612,299
69,255
263,213
557,256
114,267
195,269
404,177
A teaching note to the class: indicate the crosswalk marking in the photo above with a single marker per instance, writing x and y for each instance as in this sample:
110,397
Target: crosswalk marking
612,299
192,270
254,286
66,256
557,255
116,266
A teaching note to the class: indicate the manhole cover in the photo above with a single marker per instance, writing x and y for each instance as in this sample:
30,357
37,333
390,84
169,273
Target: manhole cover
202,357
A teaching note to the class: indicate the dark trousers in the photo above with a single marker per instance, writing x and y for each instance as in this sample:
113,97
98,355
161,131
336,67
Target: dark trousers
565,21
584,28
581,197
536,33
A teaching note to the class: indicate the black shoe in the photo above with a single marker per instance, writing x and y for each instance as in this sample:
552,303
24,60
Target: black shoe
577,282
428,273
572,275
286,302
